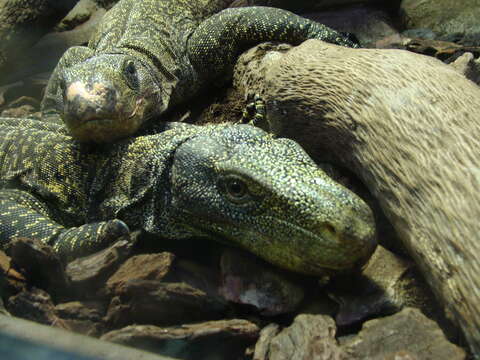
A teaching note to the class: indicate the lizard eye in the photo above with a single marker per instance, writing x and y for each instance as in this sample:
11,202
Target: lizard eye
234,188
130,73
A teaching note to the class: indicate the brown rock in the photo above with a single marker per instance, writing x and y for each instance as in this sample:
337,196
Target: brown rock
407,126
11,281
35,305
89,274
141,267
40,264
223,339
82,317
387,284
153,302
409,334
201,277
247,279
310,337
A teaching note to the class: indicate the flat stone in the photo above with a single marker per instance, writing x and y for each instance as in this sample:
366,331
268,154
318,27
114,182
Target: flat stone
223,339
249,280
154,302
141,267
409,333
89,274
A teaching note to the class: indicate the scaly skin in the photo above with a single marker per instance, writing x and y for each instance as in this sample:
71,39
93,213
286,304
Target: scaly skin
150,55
233,183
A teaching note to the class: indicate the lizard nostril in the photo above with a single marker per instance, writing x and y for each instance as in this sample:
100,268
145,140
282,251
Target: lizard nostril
330,229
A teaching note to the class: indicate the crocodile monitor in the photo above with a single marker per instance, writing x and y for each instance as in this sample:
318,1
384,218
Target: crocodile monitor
236,183
147,56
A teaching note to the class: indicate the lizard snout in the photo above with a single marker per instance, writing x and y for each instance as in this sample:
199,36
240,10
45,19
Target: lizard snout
85,102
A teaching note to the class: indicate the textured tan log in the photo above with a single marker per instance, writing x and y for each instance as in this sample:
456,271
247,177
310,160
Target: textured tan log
409,127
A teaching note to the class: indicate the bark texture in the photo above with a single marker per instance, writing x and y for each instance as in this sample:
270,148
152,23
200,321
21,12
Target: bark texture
409,127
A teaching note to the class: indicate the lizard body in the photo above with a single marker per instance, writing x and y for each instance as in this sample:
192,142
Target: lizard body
230,182
148,56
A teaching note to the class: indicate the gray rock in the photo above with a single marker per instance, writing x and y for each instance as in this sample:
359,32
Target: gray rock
80,13
310,337
249,280
213,340
450,19
408,334
22,23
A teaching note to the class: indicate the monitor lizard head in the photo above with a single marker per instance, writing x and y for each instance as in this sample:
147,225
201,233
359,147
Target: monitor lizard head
266,195
110,96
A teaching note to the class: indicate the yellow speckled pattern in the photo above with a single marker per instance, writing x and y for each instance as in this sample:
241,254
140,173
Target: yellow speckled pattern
231,182
150,55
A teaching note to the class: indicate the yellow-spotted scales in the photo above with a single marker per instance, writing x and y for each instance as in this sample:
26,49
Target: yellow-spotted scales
150,55
233,183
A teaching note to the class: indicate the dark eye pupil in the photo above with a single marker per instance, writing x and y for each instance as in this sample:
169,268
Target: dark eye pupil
236,188
130,68
131,75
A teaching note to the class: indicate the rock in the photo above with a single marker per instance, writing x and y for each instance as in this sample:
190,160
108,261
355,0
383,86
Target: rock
369,24
82,317
310,337
80,14
51,46
442,50
141,267
223,339
407,126
387,284
247,279
450,19
409,334
40,264
11,281
22,23
201,277
35,305
262,347
154,302
89,274
467,66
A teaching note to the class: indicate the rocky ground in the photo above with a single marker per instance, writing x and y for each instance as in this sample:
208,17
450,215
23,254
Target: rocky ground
201,300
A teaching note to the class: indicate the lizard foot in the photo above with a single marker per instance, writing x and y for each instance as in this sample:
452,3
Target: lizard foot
89,238
255,111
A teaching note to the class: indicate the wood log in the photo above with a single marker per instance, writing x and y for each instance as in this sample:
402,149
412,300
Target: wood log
409,127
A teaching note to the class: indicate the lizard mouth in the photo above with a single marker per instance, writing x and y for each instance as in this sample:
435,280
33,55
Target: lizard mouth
351,252
107,128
